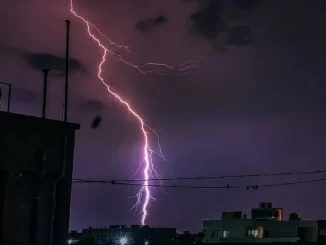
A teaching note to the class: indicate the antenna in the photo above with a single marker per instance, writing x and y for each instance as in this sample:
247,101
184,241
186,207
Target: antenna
67,72
45,87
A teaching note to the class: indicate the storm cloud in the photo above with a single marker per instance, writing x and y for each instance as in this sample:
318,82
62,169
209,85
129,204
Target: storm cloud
148,25
40,61
239,35
208,21
247,5
92,105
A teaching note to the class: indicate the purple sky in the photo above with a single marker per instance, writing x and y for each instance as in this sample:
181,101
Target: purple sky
252,107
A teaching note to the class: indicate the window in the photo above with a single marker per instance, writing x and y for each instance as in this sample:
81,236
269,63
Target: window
214,233
253,233
226,234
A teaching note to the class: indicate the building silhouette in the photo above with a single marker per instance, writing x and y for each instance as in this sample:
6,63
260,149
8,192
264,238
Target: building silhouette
125,235
266,225
36,162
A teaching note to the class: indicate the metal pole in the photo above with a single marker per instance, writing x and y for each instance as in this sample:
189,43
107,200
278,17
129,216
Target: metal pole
45,87
64,150
67,72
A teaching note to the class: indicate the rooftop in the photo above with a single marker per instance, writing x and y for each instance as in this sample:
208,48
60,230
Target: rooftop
13,119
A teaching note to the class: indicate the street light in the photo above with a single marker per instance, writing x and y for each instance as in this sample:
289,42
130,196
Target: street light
123,240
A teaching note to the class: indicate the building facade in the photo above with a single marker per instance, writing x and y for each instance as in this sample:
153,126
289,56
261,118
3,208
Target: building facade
124,235
36,162
263,229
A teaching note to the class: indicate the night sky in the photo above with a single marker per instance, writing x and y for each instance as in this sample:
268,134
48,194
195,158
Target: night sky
255,105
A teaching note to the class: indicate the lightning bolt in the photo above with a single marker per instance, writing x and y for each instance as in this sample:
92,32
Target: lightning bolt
149,67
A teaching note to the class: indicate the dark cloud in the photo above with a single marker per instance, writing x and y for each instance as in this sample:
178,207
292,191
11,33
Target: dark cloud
239,4
206,21
190,1
239,35
39,61
149,24
247,5
92,106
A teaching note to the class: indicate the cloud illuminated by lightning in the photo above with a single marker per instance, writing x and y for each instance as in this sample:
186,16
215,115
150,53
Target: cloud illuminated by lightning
150,67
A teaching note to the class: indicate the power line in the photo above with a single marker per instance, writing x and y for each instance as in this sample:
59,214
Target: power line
156,185
248,187
223,176
295,183
253,175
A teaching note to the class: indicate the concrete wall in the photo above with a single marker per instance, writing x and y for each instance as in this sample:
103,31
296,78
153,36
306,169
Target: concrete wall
287,229
214,228
135,236
276,229
23,141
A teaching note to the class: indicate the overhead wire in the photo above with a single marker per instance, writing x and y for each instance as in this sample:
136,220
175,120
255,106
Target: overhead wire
253,175
222,176
247,187
156,185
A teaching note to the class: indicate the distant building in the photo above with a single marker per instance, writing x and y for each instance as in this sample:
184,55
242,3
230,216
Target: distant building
266,211
74,237
124,235
266,225
189,238
35,154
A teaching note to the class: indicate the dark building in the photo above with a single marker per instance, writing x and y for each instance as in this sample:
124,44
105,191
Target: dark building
74,237
232,215
294,216
322,231
266,212
135,235
187,238
36,162
266,225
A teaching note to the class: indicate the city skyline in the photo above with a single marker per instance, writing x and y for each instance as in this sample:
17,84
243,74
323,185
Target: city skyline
286,215
254,105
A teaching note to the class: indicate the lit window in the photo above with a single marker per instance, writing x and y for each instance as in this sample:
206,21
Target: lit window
253,233
226,234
